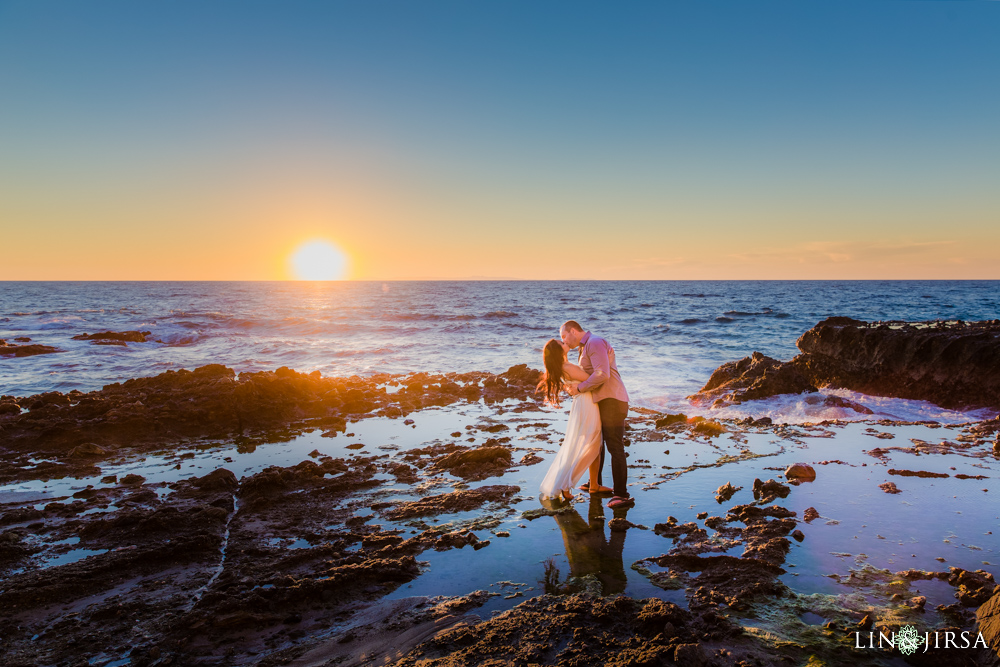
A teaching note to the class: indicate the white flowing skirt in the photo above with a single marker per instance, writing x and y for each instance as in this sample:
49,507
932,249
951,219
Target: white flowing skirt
579,448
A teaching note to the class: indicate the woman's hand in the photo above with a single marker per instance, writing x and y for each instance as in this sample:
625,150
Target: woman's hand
570,388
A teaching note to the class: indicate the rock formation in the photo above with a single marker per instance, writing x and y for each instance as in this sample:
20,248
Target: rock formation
953,364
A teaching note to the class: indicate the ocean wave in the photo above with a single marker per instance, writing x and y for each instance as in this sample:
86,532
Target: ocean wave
724,319
767,312
701,296
179,339
747,313
358,353
801,408
60,322
691,320
529,327
499,314
406,317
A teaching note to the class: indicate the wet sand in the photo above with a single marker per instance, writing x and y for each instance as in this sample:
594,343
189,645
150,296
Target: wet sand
396,520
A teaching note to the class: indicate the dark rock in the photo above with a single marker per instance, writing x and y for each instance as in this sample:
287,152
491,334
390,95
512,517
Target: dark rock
917,473
132,479
690,654
810,514
667,420
725,492
621,524
955,364
801,471
768,491
478,463
577,630
988,622
707,427
115,336
7,350
530,459
974,588
457,501
220,479
753,377
838,402
889,487
87,449
12,547
715,522
798,535
456,540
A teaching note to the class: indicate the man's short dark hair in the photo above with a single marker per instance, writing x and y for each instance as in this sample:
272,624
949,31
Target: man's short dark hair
573,324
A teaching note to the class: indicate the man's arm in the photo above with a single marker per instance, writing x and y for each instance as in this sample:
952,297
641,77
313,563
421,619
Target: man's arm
597,351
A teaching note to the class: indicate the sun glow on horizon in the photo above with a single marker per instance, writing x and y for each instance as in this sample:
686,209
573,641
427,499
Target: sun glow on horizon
318,259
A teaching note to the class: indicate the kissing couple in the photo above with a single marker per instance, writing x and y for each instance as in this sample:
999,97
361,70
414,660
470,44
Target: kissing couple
596,419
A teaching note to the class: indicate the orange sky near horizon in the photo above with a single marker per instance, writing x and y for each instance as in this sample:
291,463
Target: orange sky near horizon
392,234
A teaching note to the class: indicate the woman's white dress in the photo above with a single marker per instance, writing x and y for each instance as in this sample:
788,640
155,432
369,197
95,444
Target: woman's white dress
579,448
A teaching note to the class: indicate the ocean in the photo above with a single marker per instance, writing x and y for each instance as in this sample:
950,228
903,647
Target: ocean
668,335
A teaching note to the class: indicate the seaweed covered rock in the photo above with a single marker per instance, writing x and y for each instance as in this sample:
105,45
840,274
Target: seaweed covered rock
457,501
213,402
579,630
478,463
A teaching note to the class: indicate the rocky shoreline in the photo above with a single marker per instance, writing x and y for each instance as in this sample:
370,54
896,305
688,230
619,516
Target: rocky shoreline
952,364
295,564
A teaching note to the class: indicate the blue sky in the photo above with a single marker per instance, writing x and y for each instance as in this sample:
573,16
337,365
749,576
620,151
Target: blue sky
796,139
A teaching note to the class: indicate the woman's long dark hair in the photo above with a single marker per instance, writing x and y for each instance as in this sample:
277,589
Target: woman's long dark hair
553,357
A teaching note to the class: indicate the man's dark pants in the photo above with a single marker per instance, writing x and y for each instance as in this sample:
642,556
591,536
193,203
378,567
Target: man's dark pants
613,413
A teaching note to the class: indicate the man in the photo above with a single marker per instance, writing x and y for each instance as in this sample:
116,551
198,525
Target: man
611,398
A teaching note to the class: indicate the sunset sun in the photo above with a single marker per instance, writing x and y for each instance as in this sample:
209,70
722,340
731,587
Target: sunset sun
319,260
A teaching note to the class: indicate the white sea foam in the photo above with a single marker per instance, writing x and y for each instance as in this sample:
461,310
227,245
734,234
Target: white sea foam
811,407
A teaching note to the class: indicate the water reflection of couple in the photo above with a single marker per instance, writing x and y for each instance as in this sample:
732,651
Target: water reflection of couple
600,405
588,550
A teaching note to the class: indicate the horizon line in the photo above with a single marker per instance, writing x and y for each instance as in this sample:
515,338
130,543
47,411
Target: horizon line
442,280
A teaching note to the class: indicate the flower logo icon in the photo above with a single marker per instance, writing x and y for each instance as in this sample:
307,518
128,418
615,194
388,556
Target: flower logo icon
908,640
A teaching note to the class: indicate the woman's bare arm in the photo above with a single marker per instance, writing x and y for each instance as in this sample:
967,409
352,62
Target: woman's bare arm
575,373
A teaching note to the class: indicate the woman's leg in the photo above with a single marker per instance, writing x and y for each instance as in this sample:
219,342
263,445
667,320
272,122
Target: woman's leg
595,477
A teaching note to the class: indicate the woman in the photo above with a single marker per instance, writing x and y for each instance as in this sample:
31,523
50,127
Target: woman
581,448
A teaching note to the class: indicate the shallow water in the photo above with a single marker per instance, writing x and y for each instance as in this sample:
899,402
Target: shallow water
669,336
951,519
